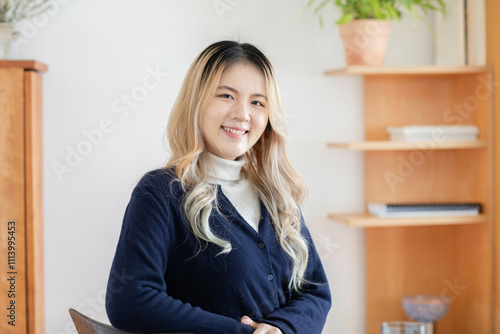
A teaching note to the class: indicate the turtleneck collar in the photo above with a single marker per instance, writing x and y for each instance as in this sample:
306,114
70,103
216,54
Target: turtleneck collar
225,170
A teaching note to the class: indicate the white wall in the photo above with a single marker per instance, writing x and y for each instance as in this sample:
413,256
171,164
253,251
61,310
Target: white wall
99,50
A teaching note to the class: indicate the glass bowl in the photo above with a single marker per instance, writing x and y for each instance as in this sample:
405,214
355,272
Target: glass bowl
425,308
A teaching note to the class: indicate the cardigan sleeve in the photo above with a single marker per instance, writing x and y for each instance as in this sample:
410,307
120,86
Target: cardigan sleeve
136,298
306,311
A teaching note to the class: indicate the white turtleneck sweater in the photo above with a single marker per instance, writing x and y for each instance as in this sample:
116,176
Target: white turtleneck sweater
236,187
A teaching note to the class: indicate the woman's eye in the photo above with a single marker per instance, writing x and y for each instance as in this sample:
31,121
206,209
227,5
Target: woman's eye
258,103
226,96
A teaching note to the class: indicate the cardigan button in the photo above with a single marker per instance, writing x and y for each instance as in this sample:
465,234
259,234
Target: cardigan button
276,307
271,277
261,245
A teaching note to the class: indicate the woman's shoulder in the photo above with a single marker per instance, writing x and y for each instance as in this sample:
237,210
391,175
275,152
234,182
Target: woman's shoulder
159,175
161,181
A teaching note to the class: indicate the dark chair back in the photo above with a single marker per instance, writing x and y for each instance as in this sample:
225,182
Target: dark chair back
86,325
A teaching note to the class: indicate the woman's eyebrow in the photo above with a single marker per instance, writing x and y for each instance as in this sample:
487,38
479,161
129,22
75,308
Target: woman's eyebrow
260,95
236,92
228,88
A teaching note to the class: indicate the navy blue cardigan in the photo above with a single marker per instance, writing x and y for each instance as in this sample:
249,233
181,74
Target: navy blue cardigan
161,280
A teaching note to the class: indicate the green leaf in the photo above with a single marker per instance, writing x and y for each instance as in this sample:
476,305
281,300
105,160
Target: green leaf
321,23
16,10
346,18
321,6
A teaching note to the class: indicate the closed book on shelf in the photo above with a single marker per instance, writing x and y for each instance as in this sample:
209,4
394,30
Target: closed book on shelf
437,133
451,130
444,138
386,210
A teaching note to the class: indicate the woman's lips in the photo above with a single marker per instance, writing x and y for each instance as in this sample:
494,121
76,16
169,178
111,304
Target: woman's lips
234,132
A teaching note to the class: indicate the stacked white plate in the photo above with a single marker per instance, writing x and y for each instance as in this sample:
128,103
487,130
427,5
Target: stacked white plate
437,133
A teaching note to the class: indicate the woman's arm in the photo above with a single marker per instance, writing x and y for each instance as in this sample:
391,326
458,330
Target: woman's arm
305,312
136,299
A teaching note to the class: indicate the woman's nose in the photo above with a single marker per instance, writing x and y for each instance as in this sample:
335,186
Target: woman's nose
241,112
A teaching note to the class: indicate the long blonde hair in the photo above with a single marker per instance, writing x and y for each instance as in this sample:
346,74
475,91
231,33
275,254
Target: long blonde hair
267,165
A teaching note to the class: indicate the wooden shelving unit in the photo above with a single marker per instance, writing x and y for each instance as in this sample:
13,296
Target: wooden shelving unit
427,255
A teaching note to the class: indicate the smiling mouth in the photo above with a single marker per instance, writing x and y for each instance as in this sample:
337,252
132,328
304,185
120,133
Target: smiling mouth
236,132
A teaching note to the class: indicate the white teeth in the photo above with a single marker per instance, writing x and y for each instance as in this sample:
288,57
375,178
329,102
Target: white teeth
234,131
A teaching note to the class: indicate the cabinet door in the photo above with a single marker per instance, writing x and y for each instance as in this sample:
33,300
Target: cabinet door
12,203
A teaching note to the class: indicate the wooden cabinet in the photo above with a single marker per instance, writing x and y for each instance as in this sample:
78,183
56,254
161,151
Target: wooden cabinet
449,256
21,238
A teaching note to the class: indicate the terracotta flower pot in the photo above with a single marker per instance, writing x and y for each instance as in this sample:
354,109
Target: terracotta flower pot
365,41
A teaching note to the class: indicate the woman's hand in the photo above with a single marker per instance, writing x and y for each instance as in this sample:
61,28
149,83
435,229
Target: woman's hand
260,328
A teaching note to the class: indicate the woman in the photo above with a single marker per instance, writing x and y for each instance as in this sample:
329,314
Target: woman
215,242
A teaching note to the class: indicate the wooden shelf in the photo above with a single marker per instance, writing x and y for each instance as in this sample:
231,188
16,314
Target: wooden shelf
404,70
32,65
367,220
387,145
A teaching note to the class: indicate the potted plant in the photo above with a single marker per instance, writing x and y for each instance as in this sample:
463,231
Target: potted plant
13,11
365,24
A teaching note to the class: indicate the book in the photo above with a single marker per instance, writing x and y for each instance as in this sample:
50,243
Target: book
387,210
431,129
438,133
444,138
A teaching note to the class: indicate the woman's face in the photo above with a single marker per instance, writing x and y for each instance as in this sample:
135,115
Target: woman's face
238,113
